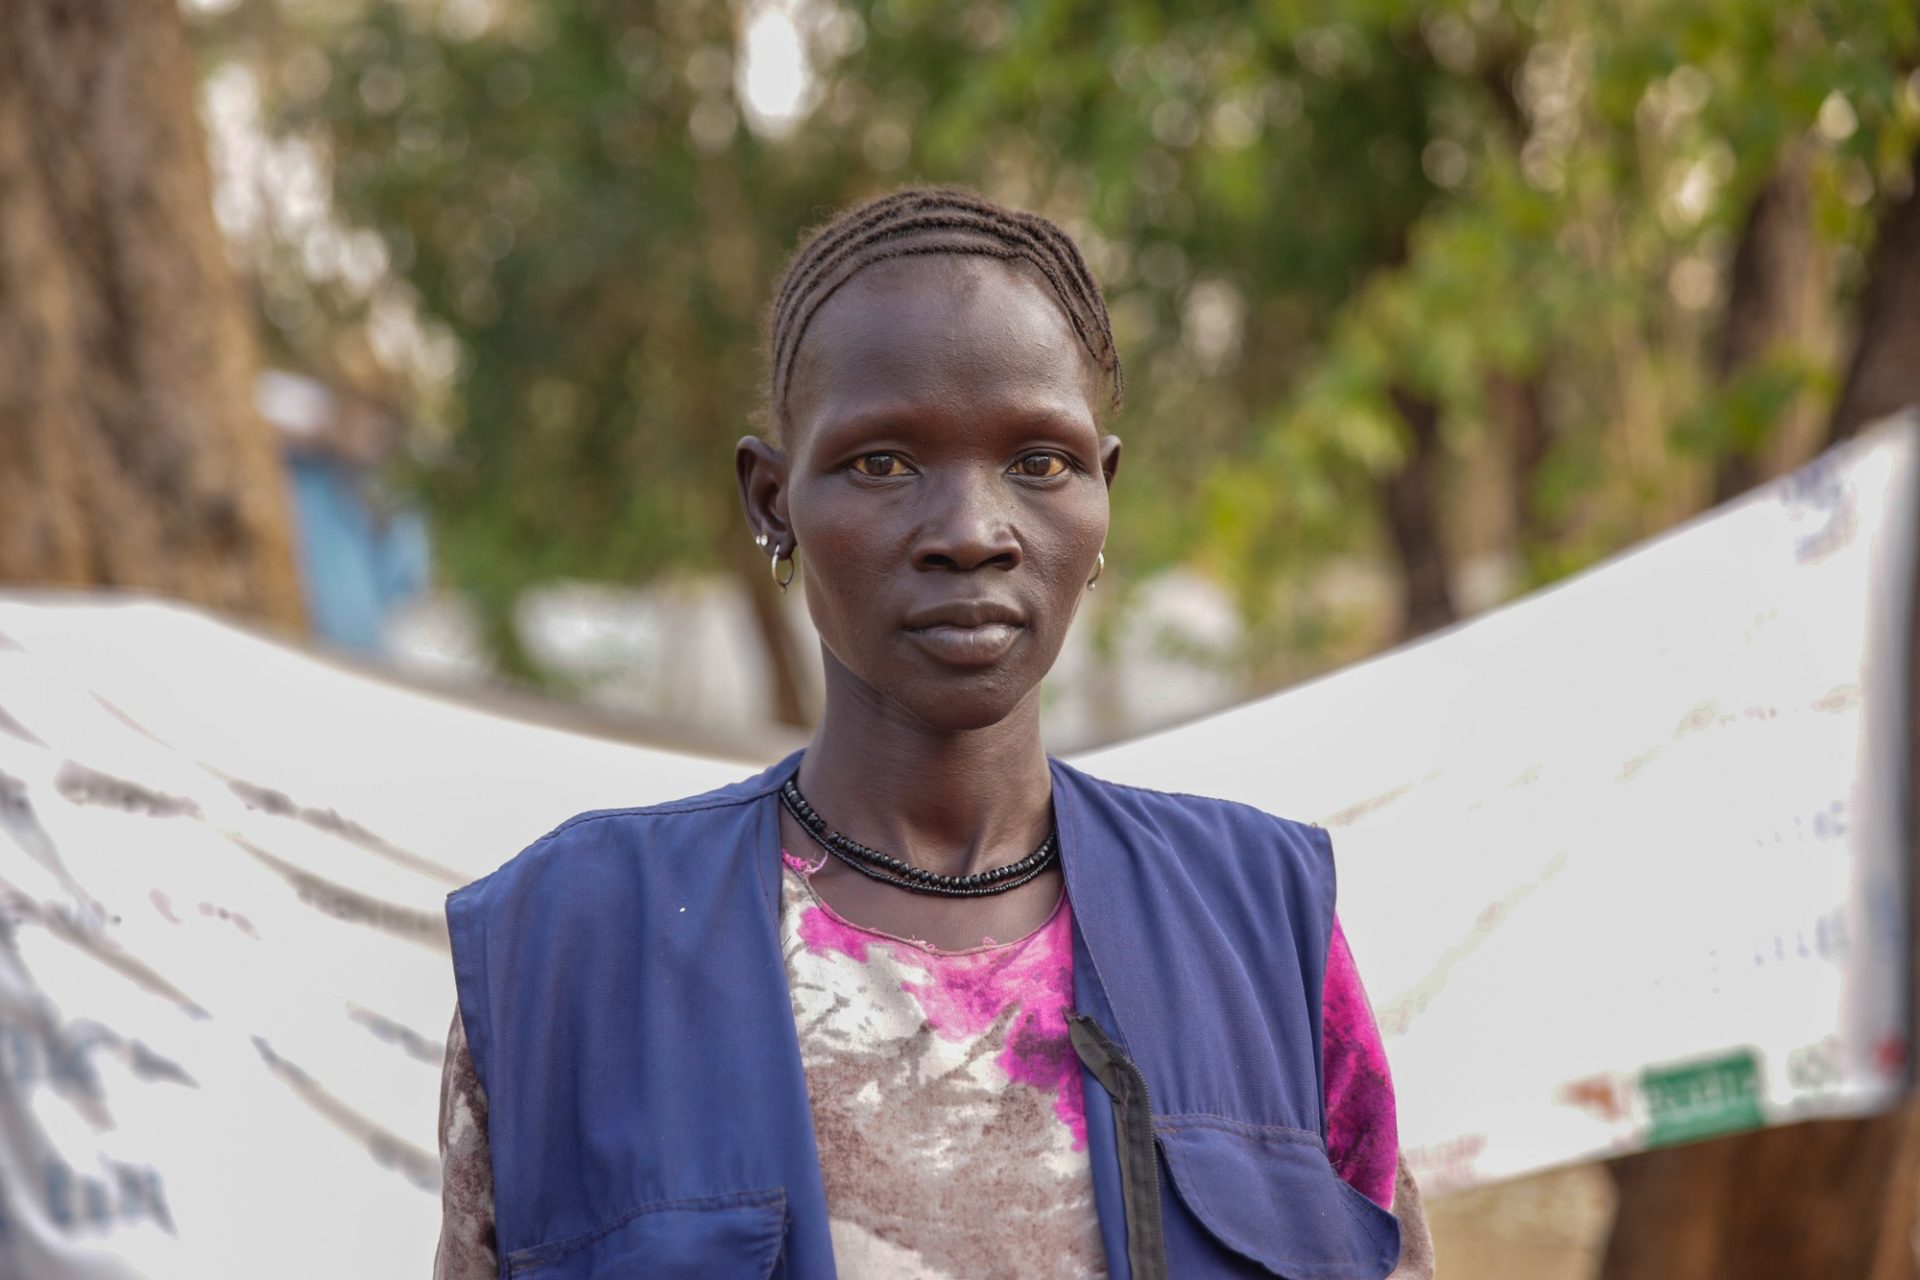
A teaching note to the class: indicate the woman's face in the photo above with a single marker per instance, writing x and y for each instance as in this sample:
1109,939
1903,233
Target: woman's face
945,480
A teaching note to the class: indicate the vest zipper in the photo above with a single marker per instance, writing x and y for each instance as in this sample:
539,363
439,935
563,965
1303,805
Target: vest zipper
1139,1158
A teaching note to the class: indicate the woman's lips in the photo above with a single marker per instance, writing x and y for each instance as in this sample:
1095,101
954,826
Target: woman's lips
960,646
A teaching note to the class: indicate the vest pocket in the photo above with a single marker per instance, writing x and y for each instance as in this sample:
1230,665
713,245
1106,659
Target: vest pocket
1269,1196
725,1237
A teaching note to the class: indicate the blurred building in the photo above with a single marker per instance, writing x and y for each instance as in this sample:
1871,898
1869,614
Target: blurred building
362,554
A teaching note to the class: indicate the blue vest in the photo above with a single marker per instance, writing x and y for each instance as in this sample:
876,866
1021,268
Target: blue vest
626,1006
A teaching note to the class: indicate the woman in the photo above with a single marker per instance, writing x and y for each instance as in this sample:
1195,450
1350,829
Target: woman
920,1000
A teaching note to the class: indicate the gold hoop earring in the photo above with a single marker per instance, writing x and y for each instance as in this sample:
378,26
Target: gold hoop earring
1099,567
792,568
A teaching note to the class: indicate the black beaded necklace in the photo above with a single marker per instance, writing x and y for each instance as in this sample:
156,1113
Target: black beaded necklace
890,870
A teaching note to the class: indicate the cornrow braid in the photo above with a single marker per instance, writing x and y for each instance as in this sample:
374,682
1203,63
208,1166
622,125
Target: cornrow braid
932,220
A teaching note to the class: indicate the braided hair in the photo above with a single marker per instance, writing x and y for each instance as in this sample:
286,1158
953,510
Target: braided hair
932,220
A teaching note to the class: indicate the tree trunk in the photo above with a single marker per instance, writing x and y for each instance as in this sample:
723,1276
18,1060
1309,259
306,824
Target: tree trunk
1800,1203
1411,499
130,451
1884,375
1519,406
1767,302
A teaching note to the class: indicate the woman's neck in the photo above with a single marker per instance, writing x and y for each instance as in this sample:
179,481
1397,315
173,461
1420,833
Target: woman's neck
951,801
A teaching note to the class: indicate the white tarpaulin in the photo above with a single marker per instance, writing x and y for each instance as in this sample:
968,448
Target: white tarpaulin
1622,863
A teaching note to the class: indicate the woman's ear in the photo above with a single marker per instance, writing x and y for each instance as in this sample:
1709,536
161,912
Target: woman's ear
1109,457
762,472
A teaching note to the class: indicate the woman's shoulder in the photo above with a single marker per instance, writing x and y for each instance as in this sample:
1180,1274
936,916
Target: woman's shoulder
593,837
1233,845
1188,807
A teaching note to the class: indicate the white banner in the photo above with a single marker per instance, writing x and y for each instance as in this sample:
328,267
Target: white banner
1621,863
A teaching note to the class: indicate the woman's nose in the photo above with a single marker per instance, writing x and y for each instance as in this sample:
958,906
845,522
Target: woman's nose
967,525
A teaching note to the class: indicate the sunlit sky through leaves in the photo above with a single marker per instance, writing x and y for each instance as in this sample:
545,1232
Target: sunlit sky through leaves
775,78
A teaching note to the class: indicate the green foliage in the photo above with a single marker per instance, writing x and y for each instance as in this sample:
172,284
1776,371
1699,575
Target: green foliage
1297,208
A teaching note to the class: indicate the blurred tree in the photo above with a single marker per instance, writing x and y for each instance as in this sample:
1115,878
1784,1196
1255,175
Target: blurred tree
1884,373
130,453
1769,284
590,200
1351,248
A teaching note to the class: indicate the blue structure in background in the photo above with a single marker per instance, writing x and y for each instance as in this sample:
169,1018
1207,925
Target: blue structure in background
358,561
361,556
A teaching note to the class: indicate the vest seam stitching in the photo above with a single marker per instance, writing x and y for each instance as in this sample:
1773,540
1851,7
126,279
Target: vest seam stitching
1254,1130
759,1197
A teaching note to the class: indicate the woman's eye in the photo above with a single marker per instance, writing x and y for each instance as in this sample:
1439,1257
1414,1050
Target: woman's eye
1041,465
880,464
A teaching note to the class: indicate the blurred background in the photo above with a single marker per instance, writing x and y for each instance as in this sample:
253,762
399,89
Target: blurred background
422,330
1423,305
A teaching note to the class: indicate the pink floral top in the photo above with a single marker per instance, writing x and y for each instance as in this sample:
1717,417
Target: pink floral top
945,1092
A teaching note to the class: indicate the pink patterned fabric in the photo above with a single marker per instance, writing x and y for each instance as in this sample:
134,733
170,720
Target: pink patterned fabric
964,993
1363,1136
944,1090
